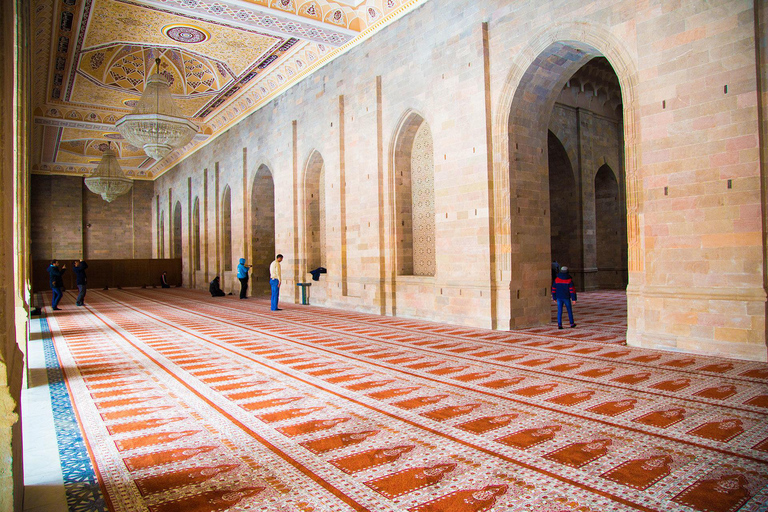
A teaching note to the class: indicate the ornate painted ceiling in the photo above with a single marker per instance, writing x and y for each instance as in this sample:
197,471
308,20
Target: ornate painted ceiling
223,59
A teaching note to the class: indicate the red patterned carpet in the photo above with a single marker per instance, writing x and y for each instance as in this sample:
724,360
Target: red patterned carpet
189,403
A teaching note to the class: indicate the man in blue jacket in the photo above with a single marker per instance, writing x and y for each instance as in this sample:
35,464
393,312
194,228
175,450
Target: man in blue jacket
57,283
78,268
563,292
242,276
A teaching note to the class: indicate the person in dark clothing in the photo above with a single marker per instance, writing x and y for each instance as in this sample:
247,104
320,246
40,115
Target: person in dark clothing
215,288
555,269
563,292
57,283
242,276
164,280
78,267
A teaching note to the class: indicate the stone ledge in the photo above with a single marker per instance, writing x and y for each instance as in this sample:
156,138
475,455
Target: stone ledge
698,346
755,294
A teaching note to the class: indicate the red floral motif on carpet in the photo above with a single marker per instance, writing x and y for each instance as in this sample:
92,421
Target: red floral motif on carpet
199,404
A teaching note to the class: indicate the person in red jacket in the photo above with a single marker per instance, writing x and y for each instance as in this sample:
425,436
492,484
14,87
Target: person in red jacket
563,292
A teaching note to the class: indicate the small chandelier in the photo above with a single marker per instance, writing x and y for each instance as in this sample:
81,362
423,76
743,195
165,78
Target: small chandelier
156,124
108,180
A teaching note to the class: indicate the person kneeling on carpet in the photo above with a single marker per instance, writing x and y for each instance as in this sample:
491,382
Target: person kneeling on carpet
215,288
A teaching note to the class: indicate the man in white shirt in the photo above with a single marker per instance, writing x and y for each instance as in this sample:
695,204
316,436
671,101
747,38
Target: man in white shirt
275,278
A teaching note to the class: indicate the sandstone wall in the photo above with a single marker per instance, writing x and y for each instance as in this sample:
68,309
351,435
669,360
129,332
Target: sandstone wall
485,77
69,221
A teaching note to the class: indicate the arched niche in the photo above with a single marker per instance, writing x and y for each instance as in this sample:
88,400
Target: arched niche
161,238
262,227
564,206
314,212
611,230
226,228
176,230
196,245
414,197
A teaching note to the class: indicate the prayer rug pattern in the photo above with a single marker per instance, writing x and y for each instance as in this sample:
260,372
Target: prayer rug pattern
199,404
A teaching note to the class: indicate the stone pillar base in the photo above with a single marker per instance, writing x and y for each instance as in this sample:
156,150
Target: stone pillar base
726,323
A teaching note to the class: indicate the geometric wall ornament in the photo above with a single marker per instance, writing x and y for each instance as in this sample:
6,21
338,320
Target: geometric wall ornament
124,67
423,202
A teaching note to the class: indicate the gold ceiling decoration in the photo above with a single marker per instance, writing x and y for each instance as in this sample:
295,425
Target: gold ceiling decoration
125,68
184,33
221,58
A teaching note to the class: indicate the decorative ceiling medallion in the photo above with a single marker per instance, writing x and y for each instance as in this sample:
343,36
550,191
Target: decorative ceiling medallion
185,33
130,103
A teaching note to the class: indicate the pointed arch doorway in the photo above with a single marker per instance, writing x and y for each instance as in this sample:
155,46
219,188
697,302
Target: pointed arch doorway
535,90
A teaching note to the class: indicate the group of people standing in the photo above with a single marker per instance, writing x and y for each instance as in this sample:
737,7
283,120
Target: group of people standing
275,279
563,290
56,273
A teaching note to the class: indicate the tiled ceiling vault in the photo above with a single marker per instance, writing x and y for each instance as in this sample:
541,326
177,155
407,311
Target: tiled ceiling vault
223,59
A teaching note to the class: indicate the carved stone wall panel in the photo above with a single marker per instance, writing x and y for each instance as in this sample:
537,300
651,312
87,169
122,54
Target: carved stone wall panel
423,201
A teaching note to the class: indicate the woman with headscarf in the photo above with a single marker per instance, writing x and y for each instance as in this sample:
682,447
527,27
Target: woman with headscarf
242,276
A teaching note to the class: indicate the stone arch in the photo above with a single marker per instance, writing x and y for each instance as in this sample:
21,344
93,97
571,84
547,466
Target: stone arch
564,207
226,228
568,144
314,212
610,230
176,230
519,136
414,196
196,246
262,227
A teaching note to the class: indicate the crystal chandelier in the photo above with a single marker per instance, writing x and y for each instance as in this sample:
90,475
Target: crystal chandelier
156,124
108,180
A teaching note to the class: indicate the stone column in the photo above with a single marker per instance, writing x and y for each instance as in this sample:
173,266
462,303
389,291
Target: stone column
14,116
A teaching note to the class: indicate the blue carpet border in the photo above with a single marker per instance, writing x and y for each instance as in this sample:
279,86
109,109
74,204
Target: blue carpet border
80,482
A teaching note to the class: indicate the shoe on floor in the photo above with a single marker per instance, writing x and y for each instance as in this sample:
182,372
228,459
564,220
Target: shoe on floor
559,326
573,325
57,309
278,309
